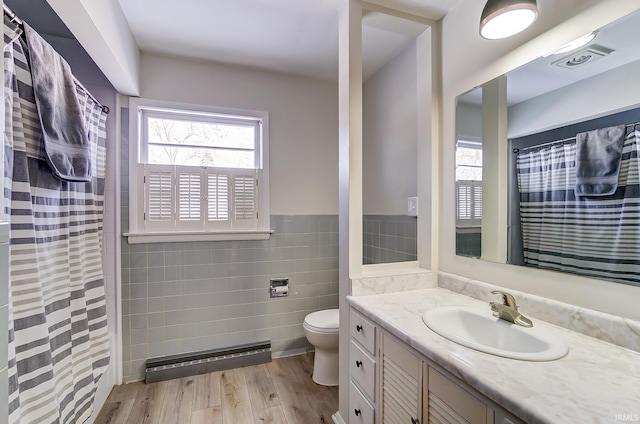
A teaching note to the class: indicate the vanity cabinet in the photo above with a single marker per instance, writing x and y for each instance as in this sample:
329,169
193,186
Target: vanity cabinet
390,383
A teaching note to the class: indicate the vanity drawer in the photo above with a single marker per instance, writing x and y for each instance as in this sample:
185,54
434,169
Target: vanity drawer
361,410
362,369
363,331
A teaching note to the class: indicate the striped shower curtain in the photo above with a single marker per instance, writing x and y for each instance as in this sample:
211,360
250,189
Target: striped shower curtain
58,338
592,236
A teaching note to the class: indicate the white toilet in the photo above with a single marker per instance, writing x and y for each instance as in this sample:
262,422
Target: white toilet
321,329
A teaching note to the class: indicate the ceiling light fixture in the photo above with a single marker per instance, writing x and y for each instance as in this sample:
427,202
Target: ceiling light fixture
578,42
504,18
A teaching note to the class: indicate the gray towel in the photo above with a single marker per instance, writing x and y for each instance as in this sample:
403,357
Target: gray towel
598,157
65,136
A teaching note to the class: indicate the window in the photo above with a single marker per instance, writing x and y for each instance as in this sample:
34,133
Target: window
197,173
468,183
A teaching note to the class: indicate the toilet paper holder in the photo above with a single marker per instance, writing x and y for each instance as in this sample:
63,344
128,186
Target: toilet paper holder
279,287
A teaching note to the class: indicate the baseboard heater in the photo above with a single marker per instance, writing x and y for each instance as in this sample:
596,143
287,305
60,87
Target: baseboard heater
188,364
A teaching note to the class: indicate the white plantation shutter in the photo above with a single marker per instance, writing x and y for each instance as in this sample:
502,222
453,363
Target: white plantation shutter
190,197
159,204
183,198
477,200
245,187
468,203
463,200
217,197
243,196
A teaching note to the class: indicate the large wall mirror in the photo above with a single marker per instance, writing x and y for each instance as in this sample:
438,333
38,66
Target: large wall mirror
389,136
547,161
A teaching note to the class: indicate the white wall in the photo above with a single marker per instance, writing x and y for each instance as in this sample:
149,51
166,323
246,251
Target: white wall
103,31
303,120
389,136
469,121
614,91
469,61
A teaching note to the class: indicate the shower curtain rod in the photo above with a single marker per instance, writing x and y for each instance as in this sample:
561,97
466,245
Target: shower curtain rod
104,108
11,14
564,140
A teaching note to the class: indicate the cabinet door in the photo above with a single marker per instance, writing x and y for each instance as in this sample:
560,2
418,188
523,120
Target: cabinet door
401,384
447,403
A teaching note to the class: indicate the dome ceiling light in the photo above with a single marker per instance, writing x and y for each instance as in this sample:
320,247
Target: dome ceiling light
504,18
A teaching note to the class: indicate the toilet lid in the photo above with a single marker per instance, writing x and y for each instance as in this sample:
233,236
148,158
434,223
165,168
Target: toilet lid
329,319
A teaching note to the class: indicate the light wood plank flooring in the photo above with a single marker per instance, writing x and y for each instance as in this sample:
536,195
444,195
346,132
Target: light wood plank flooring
280,392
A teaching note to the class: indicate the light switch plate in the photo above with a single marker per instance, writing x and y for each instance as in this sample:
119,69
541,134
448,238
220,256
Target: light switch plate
412,206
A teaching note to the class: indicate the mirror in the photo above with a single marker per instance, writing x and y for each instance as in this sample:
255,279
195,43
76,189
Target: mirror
390,126
536,112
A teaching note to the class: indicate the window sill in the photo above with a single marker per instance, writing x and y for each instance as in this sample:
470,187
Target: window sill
139,238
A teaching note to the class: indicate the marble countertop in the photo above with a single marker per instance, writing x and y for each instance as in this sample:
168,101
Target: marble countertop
596,382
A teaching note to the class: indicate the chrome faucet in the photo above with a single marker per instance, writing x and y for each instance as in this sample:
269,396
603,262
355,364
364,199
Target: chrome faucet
508,310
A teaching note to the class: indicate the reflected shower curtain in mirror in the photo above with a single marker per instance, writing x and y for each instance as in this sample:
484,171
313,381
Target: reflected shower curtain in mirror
591,236
58,337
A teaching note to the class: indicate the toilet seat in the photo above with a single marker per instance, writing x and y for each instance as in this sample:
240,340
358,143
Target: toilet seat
327,321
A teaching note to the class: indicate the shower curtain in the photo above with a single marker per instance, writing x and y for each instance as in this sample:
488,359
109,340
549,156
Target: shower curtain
591,236
58,338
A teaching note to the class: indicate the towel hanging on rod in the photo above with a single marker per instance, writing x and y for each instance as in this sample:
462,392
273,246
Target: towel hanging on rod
564,140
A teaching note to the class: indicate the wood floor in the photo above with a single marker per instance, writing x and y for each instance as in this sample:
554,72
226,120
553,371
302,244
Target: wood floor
278,392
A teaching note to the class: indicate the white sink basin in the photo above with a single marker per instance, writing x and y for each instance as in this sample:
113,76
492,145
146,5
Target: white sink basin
478,329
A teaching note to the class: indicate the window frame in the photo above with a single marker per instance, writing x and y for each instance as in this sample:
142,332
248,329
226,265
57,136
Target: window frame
139,111
190,116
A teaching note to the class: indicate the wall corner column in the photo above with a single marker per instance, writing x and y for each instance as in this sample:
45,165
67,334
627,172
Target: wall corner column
350,174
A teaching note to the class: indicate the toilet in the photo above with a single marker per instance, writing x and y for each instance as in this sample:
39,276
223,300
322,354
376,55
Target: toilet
321,329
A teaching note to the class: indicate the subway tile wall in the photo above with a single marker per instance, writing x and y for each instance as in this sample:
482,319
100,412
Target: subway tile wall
389,238
469,243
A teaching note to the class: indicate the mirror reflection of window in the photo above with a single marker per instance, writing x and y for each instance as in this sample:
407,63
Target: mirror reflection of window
469,160
468,197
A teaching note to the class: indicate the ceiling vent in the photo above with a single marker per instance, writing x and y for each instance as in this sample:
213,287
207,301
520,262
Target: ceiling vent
584,56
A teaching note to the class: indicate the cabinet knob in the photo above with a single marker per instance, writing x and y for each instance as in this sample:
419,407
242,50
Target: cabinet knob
358,328
415,420
358,364
357,412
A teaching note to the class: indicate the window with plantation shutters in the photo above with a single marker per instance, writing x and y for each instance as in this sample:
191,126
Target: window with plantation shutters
198,174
